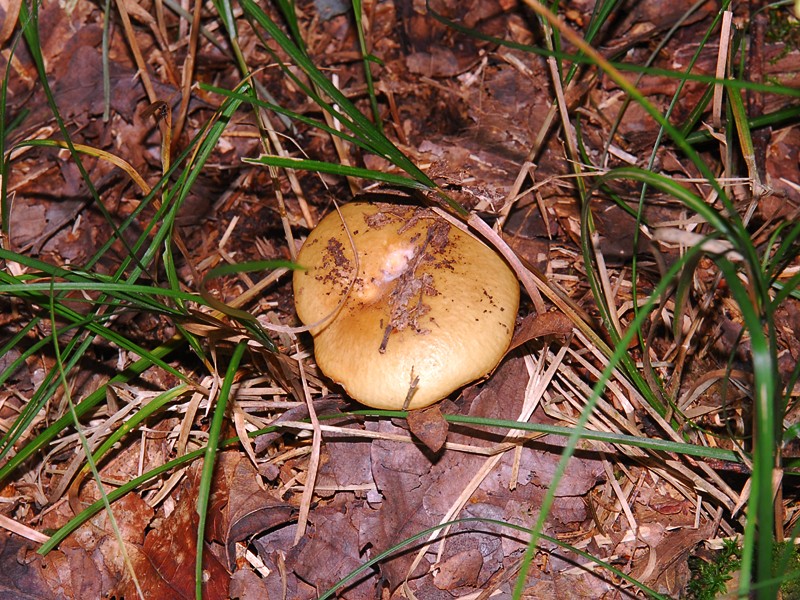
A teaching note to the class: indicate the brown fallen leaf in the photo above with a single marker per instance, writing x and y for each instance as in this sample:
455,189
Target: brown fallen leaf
400,472
459,570
24,573
667,569
324,406
419,489
331,550
91,560
240,508
165,564
275,549
246,585
536,326
429,427
345,462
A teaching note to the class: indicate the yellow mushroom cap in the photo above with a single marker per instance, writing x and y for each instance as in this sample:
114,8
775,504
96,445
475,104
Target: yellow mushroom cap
431,308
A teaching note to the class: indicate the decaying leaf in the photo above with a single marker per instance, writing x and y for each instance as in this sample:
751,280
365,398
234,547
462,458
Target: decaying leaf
240,507
165,564
429,427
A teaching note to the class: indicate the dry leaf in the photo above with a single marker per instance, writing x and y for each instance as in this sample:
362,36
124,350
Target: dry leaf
429,427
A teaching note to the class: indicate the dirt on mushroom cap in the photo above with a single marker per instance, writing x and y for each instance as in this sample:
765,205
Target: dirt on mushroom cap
430,309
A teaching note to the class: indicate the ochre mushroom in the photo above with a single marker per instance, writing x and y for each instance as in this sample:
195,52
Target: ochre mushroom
430,309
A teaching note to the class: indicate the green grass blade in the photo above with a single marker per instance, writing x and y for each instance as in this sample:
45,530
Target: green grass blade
150,408
40,397
745,139
654,444
584,59
209,461
5,206
337,169
367,59
131,485
285,112
777,118
104,46
580,426
90,462
760,516
347,114
83,407
29,15
115,495
427,532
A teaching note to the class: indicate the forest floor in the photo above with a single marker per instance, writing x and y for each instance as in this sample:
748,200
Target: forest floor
313,491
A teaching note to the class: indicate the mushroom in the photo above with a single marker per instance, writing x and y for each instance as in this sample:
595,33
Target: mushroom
430,309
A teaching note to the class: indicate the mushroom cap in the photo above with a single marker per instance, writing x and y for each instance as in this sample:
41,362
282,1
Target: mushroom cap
431,308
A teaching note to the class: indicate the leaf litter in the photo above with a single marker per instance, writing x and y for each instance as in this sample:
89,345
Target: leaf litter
473,113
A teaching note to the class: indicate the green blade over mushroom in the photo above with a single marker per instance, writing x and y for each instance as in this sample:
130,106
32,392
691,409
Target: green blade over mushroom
431,308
